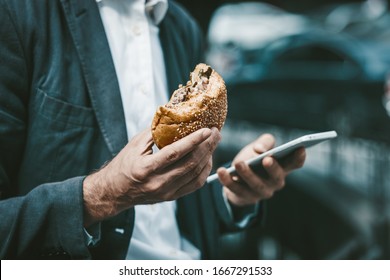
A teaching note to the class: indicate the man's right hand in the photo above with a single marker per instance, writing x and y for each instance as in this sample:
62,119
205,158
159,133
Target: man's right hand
139,176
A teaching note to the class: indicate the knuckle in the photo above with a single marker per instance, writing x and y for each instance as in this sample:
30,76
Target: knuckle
139,174
190,165
198,170
212,143
152,166
194,141
143,170
209,145
147,167
173,155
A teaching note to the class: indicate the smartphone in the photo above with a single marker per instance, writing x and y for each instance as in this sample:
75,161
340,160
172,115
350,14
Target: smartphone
283,150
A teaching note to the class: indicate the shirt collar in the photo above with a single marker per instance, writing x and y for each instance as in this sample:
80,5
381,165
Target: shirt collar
156,9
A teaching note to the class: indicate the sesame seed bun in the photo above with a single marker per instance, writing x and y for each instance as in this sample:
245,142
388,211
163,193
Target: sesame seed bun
201,103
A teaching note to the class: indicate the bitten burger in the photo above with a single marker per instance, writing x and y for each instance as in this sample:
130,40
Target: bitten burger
201,103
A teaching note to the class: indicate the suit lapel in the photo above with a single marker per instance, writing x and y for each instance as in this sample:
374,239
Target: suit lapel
87,31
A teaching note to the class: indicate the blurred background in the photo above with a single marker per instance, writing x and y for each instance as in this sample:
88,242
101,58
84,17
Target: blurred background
298,67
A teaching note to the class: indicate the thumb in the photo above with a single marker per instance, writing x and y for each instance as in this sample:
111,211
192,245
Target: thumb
264,143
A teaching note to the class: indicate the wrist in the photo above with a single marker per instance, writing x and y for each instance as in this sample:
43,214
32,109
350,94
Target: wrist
98,201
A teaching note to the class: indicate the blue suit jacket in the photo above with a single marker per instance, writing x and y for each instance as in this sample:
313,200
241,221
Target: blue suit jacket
61,118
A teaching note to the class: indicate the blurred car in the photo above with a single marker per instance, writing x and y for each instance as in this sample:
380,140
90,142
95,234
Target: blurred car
238,33
245,37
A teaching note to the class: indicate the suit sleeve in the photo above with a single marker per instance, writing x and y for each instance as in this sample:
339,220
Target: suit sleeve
47,222
44,224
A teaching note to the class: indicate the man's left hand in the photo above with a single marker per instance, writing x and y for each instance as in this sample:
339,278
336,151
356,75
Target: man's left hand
248,187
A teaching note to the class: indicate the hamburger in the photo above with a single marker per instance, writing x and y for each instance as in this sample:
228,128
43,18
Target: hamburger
201,103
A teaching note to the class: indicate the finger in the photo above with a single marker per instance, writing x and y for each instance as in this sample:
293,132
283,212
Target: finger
233,183
294,161
192,164
264,143
195,182
177,150
254,182
276,173
259,146
261,187
180,176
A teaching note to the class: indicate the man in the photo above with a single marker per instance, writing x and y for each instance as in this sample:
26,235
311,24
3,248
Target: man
79,83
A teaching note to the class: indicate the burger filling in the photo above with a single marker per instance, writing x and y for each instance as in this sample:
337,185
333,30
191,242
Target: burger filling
198,84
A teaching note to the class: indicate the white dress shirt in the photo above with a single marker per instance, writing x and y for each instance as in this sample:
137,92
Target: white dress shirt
132,33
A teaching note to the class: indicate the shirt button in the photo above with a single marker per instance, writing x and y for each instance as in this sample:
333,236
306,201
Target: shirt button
136,30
